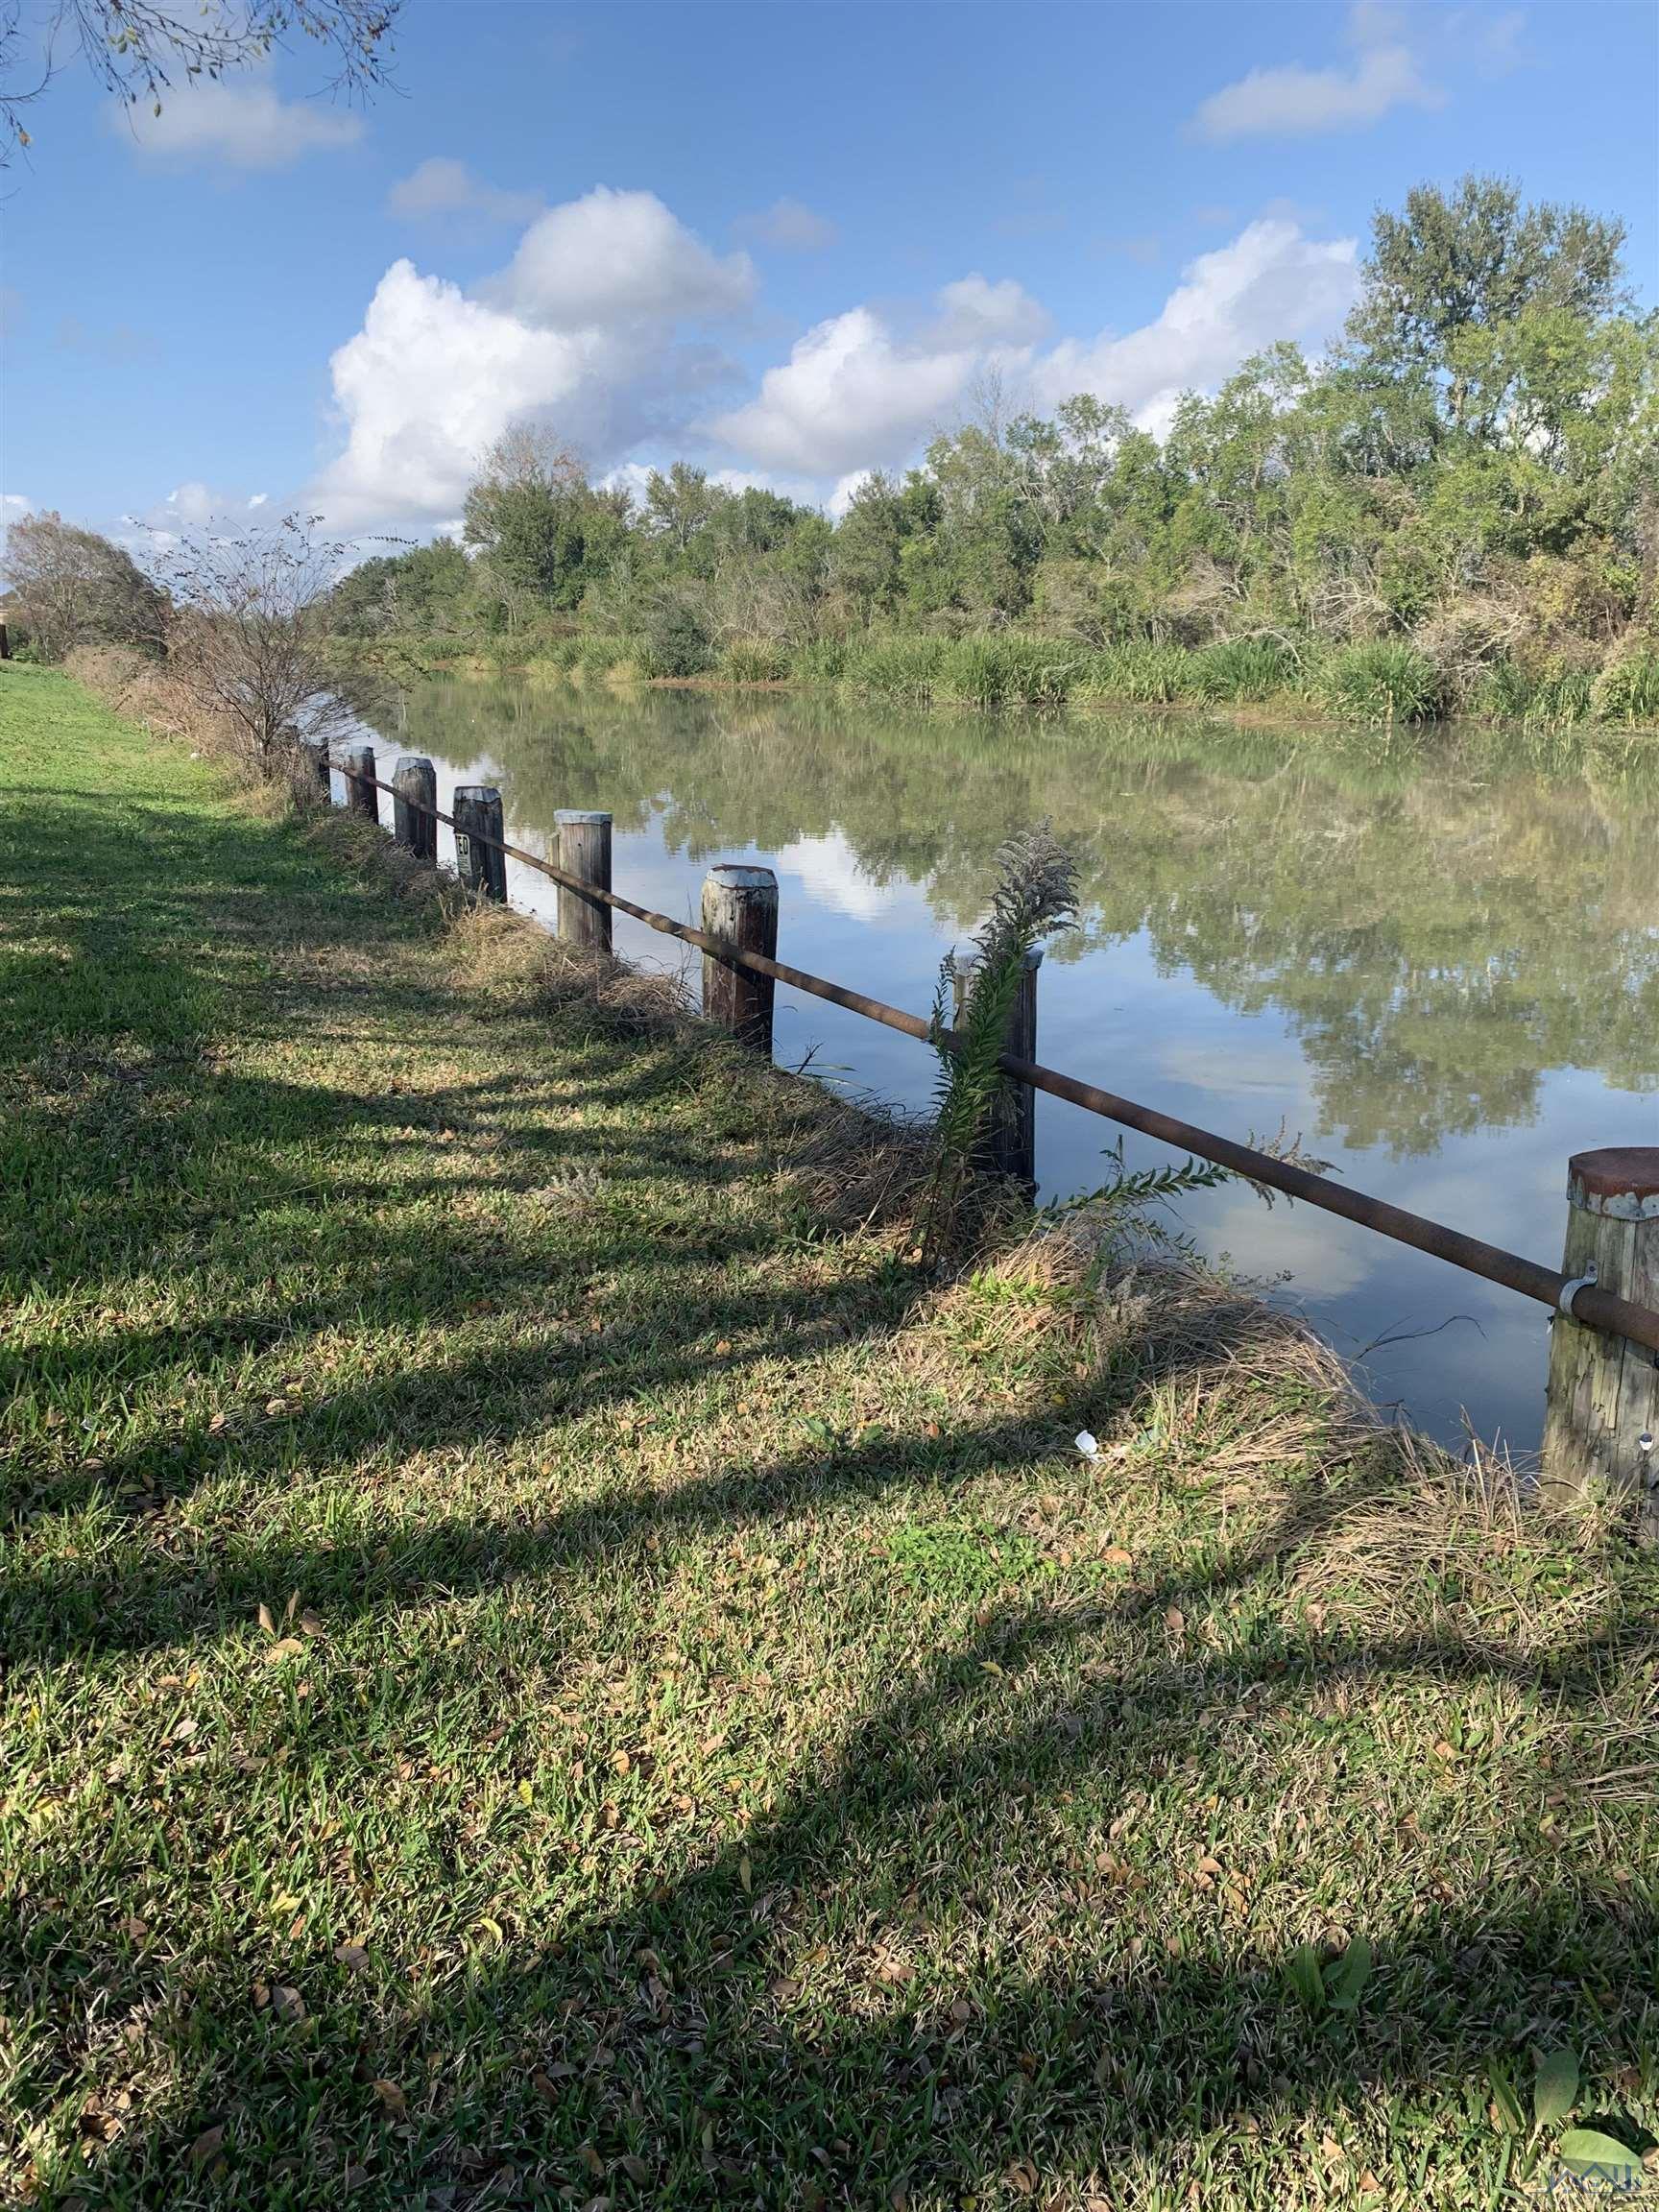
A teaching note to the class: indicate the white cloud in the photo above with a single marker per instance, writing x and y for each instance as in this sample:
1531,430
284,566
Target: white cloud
850,396
581,329
424,386
615,257
14,506
1270,282
791,226
854,396
247,123
442,186
972,311
1292,101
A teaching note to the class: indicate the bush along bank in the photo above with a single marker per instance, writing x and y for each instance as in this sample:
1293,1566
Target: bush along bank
1372,684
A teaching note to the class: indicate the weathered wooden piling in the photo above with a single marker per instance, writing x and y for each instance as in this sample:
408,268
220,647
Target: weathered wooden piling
1602,1402
479,860
357,766
585,852
414,798
5,642
314,751
740,906
1010,1142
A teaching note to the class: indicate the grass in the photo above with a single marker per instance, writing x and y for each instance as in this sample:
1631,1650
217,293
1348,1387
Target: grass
548,1666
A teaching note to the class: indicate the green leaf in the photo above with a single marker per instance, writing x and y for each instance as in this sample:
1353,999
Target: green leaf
1587,2151
1302,1971
1510,2117
1345,1978
1556,2091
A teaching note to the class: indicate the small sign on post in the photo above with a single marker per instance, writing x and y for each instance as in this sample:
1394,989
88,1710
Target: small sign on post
479,860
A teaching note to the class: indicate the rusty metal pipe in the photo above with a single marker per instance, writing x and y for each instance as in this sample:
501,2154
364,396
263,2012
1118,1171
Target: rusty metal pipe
1597,1309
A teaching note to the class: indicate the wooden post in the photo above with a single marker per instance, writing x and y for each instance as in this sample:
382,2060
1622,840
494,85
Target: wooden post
5,642
740,905
479,861
315,752
357,766
584,851
1010,1142
414,796
1602,1407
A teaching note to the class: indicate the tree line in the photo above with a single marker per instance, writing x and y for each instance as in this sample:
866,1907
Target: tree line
1456,510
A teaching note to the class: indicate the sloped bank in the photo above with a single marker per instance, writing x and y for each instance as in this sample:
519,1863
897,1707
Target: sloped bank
546,1661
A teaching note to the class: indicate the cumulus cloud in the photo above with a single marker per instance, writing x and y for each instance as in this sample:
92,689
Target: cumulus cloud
850,396
247,124
976,312
582,328
617,256
443,186
430,380
600,325
854,395
1270,282
791,226
1292,101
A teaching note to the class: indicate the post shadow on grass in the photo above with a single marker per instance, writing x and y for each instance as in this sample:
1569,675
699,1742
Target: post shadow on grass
676,2030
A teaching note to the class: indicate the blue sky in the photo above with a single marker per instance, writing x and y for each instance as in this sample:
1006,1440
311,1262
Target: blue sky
787,240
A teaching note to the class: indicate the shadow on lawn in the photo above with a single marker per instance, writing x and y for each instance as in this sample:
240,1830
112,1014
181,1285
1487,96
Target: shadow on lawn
676,2049
744,2028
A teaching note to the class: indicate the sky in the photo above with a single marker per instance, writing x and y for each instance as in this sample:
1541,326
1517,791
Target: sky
785,240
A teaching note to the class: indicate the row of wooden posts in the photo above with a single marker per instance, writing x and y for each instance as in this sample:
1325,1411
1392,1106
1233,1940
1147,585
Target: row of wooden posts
1604,1388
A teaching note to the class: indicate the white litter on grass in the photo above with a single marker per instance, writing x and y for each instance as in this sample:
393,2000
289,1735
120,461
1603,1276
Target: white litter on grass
1087,1445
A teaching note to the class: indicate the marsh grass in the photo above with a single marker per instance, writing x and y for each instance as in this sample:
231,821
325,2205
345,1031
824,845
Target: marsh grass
548,1663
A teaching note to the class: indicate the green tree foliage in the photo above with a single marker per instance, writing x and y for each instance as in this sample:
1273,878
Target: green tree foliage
72,588
1458,509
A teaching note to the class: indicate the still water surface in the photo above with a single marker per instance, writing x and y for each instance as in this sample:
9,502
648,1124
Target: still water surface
1441,966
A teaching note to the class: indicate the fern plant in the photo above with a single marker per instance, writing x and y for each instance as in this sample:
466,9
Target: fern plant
1036,897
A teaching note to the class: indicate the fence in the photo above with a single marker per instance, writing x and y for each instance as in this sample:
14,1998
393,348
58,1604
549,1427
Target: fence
1603,1393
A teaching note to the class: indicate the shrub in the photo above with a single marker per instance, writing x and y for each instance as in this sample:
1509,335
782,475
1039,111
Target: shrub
1383,680
754,661
1245,668
676,641
902,666
821,661
1144,673
1627,690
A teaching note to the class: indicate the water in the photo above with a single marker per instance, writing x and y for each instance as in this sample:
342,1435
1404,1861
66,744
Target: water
1439,964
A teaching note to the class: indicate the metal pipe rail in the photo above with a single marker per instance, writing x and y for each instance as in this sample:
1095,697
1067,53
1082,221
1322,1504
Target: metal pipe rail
1595,1308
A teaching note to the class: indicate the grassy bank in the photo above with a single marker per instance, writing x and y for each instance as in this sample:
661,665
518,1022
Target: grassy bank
1381,682
547,1666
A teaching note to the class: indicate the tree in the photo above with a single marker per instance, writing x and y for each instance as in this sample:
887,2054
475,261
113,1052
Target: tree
251,617
74,587
544,533
140,50
1476,258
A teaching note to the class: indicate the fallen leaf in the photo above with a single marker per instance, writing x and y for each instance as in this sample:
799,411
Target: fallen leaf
391,2097
207,2146
353,1955
265,1621
284,1649
287,2004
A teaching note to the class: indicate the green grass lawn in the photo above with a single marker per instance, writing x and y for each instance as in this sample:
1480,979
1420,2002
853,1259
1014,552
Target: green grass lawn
546,1664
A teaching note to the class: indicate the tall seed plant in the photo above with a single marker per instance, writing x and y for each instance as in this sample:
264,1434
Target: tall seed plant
1036,897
